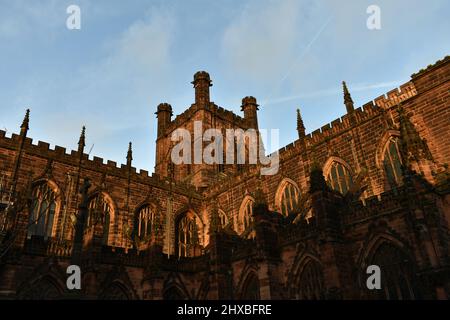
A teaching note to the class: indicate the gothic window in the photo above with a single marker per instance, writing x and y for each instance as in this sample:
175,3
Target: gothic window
310,283
396,274
339,177
250,289
44,289
115,292
392,163
288,198
100,212
223,219
146,221
247,214
42,211
187,233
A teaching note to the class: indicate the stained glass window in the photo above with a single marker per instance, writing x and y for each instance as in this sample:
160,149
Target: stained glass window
247,214
339,178
146,221
392,163
187,235
289,199
43,211
99,212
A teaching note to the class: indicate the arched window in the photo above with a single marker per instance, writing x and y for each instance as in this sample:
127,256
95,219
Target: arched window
115,291
42,211
100,211
392,161
187,234
339,177
247,214
250,289
146,221
310,283
44,289
396,274
223,219
287,198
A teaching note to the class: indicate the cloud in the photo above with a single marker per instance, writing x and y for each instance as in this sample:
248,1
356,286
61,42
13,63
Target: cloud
134,66
260,42
117,96
297,44
114,92
144,46
22,18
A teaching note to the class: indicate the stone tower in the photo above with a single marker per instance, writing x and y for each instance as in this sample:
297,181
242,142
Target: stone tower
201,116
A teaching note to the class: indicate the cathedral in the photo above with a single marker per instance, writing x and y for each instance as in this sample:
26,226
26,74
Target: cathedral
371,188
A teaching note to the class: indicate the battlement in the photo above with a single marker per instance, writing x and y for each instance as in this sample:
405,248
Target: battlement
37,245
387,203
225,114
95,164
335,128
360,115
221,112
130,257
395,96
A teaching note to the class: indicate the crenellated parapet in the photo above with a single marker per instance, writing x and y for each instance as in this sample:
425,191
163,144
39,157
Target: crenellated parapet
331,130
396,96
95,164
373,207
220,112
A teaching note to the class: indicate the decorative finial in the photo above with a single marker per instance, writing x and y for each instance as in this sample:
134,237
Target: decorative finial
82,141
300,125
130,154
347,99
26,121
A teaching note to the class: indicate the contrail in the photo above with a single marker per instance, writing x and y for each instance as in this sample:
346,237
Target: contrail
328,92
317,35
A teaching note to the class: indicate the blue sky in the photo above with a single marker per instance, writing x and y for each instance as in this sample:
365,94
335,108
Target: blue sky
131,55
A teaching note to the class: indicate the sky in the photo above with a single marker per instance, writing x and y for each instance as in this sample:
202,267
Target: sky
129,56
